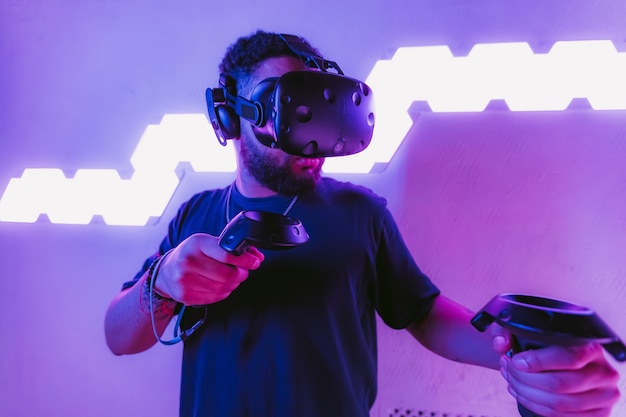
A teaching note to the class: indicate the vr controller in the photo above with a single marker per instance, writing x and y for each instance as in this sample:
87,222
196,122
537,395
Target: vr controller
262,229
537,322
249,228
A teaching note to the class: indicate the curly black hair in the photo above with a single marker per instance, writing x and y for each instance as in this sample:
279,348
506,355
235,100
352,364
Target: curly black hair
246,53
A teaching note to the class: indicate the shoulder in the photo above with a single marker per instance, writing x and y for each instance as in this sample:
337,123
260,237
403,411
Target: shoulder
202,212
343,192
204,200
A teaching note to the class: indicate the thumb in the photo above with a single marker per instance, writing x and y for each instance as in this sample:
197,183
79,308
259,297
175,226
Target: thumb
501,339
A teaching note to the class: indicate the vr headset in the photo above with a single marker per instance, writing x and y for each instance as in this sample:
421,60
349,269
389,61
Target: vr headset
311,113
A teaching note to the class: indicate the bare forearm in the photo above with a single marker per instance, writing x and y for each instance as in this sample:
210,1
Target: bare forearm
127,324
447,331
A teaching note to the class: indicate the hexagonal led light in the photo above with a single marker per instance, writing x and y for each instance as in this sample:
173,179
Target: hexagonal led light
510,72
502,71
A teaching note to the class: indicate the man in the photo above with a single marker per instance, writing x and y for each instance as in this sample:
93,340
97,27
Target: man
293,333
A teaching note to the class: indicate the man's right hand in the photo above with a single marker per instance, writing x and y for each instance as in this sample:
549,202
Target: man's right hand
198,271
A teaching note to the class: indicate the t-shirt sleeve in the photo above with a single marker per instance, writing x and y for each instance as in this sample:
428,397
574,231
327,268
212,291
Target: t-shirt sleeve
403,294
188,219
168,242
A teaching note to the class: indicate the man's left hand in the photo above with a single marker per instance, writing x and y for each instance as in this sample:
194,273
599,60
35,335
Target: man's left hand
557,381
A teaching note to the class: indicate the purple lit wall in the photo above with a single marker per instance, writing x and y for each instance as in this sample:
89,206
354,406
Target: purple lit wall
489,202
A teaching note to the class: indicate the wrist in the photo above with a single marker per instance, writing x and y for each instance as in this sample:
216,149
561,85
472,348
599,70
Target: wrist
152,300
151,278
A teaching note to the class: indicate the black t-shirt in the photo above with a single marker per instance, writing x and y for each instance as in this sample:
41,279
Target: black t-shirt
298,337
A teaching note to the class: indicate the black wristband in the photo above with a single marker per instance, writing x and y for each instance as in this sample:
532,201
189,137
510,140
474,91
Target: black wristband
152,273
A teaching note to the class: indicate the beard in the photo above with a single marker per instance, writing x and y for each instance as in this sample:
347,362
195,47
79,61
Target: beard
279,172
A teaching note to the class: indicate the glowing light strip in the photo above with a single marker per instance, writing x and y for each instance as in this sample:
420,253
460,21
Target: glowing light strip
507,71
178,138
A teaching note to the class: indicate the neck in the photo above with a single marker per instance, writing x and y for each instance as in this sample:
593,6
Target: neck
250,188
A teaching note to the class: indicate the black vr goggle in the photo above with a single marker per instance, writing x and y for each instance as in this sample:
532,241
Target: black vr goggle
305,113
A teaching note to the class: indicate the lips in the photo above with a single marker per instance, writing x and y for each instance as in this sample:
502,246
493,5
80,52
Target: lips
308,163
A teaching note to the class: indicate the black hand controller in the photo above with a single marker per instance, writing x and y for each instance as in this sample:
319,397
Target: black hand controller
249,228
263,230
537,322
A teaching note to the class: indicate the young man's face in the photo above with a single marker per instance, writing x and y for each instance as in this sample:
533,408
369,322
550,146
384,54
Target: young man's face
274,169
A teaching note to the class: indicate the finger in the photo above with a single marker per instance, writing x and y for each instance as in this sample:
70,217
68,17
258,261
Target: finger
594,375
501,339
589,404
250,259
200,279
552,358
208,281
215,271
208,291
565,382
